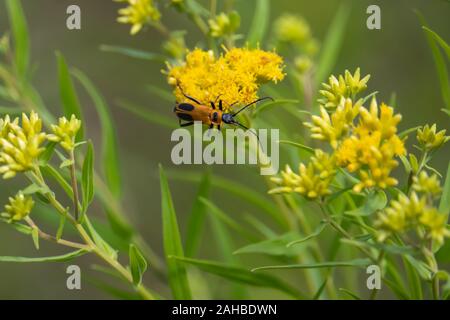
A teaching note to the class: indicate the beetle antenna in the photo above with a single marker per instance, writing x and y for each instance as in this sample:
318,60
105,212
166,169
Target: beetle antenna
256,101
244,127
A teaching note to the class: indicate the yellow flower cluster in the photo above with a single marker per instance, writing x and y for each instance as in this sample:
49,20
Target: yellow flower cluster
347,86
138,13
429,139
234,77
65,132
409,213
313,179
20,145
427,184
372,147
19,207
292,28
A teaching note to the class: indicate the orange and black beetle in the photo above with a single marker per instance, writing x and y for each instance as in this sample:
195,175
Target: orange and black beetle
208,115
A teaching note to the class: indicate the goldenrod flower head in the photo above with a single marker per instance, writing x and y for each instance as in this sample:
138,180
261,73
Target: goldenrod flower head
19,207
382,120
435,224
291,28
21,146
333,128
175,46
65,132
138,13
303,64
224,24
312,181
347,86
429,139
401,214
427,184
234,76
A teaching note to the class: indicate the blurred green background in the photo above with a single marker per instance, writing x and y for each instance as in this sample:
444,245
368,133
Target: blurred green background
397,57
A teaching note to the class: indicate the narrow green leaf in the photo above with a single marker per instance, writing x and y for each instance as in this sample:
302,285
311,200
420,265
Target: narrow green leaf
329,264
178,279
138,264
99,241
49,170
413,280
439,61
68,95
87,178
421,267
316,232
110,155
260,23
444,204
22,228
133,53
298,145
276,246
333,42
20,35
61,258
439,40
35,237
62,223
197,216
238,274
373,202
349,293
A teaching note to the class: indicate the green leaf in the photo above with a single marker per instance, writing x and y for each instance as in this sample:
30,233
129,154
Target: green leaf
277,246
298,145
226,219
87,178
349,293
413,280
49,170
260,23
45,157
444,204
133,53
34,188
332,43
374,201
22,228
421,268
316,232
178,279
439,61
62,223
138,264
110,156
35,237
149,115
68,95
242,275
20,34
439,40
61,258
328,264
197,217
99,241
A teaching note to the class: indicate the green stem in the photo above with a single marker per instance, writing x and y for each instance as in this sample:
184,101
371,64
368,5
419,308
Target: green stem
73,180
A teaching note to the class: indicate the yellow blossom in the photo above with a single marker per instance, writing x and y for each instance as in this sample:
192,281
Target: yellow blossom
291,28
65,132
347,86
427,184
233,77
21,145
436,224
224,24
138,13
429,139
333,128
313,179
19,207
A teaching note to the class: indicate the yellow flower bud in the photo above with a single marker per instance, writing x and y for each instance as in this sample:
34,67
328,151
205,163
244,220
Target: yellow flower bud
429,139
138,13
19,207
65,132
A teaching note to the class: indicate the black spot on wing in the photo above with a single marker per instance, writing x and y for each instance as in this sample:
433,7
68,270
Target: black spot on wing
186,106
184,116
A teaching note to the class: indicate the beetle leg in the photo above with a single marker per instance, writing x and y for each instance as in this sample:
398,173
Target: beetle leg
218,127
213,105
220,105
187,124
